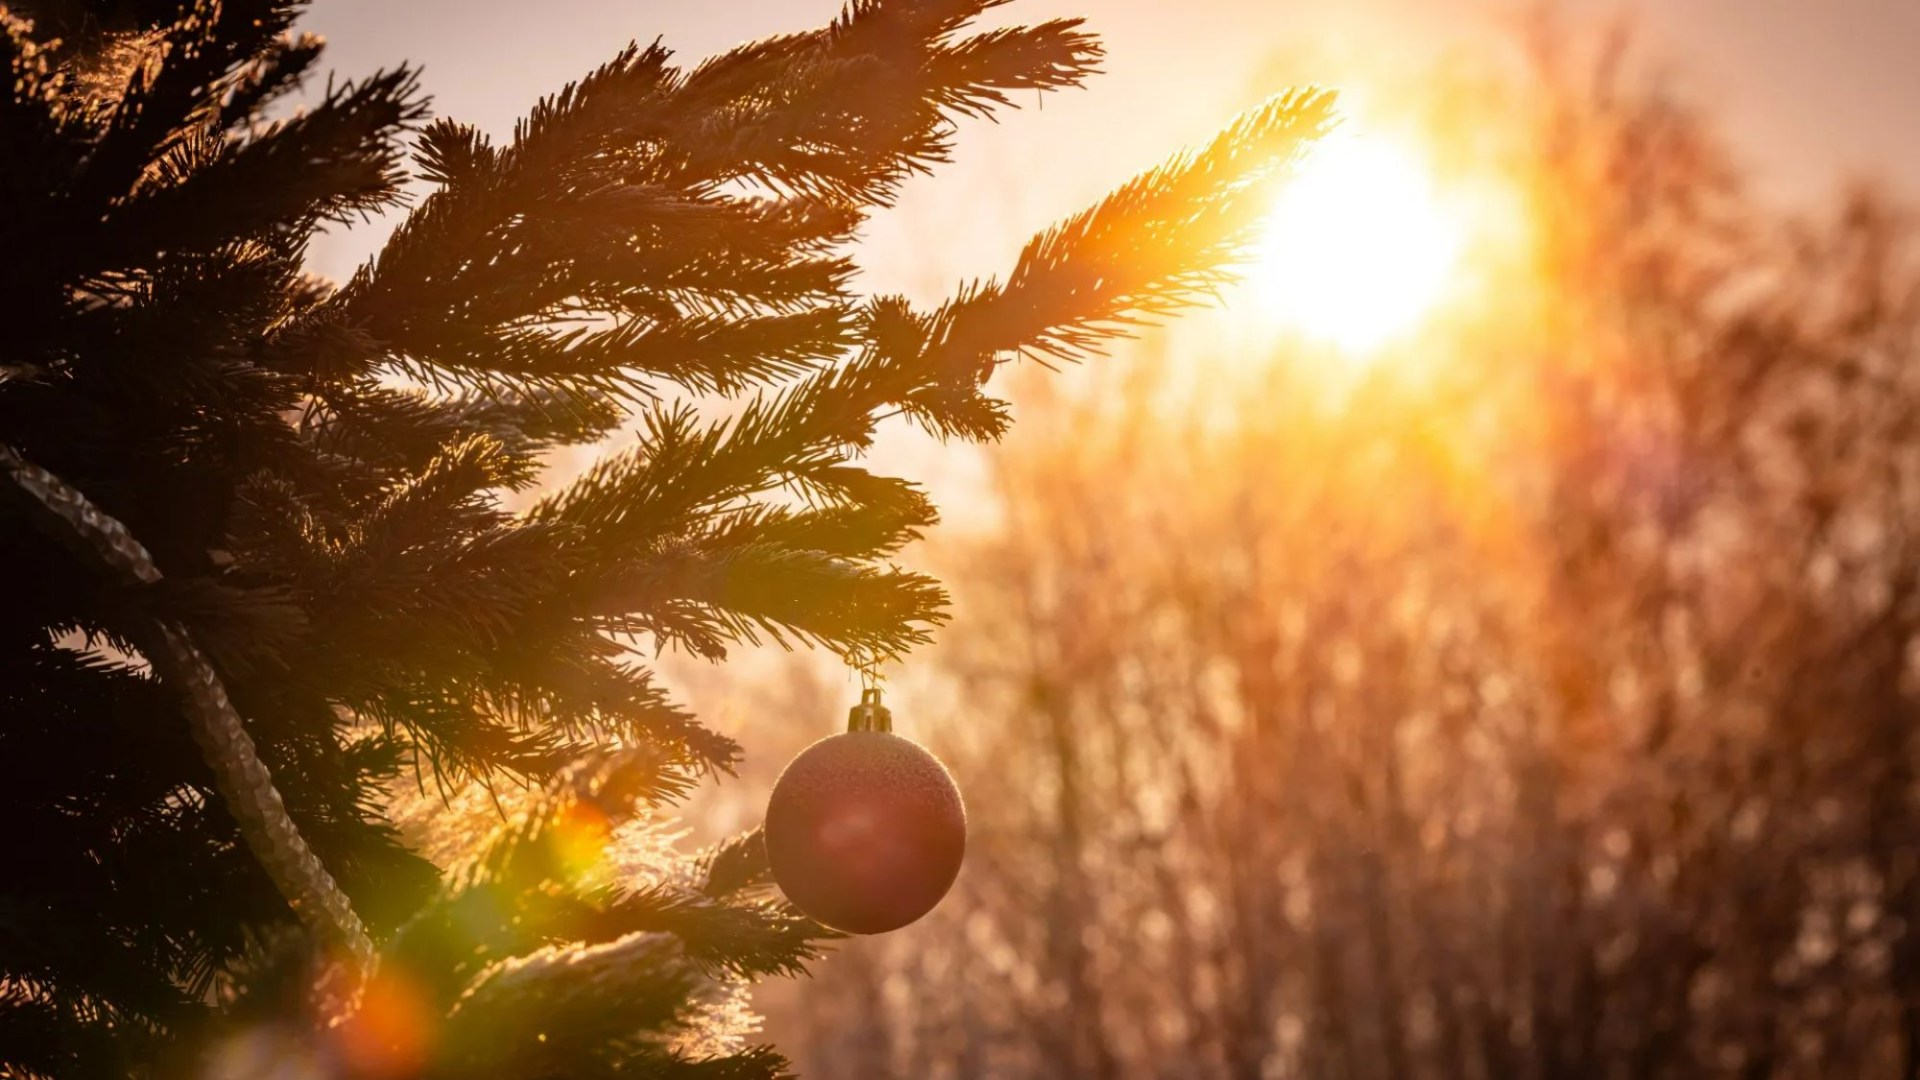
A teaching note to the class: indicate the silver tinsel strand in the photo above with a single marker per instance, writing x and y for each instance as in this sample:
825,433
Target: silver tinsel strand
239,773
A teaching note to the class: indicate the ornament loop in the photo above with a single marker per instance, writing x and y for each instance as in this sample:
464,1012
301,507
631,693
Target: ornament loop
870,714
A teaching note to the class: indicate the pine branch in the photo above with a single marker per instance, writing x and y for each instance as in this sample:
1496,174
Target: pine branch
521,892
329,163
735,865
543,1011
525,961
176,83
980,74
597,697
605,182
705,600
404,429
1162,242
278,70
722,934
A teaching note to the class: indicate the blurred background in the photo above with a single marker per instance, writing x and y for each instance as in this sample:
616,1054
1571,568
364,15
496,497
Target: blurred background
1487,647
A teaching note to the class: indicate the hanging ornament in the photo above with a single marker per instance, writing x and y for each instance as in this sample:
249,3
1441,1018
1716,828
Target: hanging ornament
865,830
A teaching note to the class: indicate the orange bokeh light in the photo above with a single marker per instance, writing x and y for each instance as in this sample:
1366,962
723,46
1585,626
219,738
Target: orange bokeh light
392,1032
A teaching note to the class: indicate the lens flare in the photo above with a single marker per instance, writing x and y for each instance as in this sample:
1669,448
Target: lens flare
392,1033
579,837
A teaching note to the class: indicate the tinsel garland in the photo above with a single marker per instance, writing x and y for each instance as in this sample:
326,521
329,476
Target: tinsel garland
240,775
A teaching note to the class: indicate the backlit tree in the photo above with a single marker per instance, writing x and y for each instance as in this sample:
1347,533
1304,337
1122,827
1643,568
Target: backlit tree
260,573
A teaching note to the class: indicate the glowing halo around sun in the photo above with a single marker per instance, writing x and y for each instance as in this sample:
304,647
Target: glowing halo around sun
1360,247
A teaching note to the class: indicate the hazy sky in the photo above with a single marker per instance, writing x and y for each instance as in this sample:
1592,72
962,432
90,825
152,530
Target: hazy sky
1810,90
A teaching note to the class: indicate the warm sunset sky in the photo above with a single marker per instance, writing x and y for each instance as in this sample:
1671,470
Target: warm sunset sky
1811,90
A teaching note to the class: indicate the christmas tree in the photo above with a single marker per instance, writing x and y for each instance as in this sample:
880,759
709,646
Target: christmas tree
260,574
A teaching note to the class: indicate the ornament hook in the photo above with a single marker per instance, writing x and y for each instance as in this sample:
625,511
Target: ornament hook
870,714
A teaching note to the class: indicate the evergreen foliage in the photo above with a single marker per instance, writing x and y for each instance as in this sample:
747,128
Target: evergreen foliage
317,474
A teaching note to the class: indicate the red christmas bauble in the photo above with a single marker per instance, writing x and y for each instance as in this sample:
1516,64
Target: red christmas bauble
865,831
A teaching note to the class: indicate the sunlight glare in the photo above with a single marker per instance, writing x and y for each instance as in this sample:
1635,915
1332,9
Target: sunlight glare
1360,247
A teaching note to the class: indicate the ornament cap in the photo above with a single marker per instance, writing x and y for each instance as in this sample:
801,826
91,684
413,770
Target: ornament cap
870,714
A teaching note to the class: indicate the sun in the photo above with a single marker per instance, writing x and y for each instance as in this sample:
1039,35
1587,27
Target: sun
1360,247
